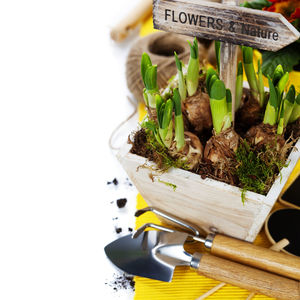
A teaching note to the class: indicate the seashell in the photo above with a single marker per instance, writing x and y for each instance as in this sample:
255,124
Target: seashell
160,46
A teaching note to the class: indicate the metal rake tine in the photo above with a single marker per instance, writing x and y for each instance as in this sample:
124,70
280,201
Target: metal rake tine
140,230
169,217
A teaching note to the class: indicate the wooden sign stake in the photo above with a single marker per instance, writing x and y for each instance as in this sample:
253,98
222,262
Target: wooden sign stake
228,64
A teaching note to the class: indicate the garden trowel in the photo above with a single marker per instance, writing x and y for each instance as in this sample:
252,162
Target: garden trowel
155,254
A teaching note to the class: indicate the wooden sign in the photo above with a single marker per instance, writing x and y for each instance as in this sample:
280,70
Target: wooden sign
232,24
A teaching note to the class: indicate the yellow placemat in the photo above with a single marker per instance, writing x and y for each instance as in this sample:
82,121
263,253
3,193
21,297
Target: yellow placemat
186,284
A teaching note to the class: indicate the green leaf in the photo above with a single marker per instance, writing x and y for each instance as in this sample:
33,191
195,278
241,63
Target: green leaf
177,102
257,4
151,77
218,90
247,55
228,96
160,114
240,69
194,49
209,73
290,96
145,64
282,82
211,82
297,100
167,116
159,102
278,73
178,62
273,99
288,57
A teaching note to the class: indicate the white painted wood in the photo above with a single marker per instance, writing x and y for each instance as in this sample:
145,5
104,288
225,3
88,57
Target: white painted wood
233,24
204,202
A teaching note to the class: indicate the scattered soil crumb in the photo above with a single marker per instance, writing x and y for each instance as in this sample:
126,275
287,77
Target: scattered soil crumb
114,181
118,230
121,202
130,229
122,282
128,182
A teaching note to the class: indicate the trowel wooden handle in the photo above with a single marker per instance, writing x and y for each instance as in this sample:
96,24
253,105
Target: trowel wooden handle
259,257
248,278
136,16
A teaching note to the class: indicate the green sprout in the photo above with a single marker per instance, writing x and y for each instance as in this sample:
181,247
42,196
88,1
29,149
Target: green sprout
239,86
211,76
260,82
218,105
181,79
149,76
249,70
229,103
192,76
164,117
296,110
288,104
179,127
272,108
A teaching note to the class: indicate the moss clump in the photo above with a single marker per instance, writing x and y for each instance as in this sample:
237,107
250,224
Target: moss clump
257,170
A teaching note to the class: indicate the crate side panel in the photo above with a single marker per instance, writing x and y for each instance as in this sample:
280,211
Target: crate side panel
193,200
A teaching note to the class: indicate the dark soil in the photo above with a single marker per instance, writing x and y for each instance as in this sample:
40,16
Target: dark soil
114,181
293,130
118,230
121,202
249,114
140,146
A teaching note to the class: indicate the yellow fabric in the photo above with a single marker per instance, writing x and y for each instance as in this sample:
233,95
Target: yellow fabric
186,284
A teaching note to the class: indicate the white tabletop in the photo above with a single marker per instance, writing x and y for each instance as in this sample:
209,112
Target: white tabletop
62,92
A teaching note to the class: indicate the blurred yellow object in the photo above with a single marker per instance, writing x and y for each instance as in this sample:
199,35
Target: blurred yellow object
186,284
147,27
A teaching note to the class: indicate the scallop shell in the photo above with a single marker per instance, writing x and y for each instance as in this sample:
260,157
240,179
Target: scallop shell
160,46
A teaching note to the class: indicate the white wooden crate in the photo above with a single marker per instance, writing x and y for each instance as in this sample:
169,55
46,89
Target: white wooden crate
205,202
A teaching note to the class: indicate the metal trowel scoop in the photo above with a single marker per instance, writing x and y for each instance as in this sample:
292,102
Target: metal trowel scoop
155,254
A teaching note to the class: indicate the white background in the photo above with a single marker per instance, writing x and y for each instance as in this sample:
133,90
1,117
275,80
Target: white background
62,92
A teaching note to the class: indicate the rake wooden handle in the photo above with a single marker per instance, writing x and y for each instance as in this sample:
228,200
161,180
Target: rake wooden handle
255,256
248,278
